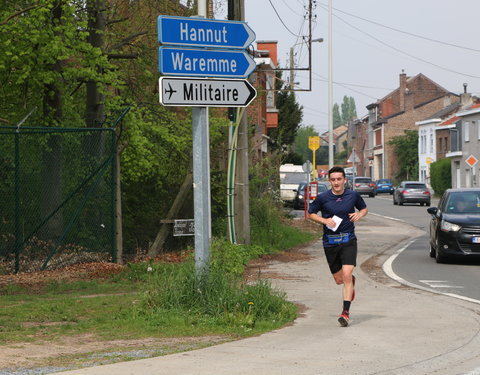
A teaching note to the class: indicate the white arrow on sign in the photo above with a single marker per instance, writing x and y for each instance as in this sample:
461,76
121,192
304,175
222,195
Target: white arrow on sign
198,92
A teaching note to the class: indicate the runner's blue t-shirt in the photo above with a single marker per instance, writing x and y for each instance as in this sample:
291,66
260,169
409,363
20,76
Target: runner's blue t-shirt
340,205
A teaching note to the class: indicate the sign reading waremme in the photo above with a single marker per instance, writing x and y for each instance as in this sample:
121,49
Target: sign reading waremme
205,63
181,91
201,32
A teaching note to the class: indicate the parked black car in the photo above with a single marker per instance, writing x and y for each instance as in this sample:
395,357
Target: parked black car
412,192
455,225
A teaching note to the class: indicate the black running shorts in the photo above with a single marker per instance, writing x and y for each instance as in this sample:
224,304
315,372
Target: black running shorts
345,253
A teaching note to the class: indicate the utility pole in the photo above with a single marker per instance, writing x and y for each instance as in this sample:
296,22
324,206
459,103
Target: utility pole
236,11
330,88
292,77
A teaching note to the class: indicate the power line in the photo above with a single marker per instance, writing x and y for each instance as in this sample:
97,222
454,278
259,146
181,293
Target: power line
315,110
288,6
406,53
280,18
408,33
354,84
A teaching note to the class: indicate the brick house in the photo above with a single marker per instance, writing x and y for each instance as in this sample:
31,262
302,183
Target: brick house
262,113
357,139
416,98
340,135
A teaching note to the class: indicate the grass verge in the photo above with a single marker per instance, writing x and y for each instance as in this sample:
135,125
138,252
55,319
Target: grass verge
154,300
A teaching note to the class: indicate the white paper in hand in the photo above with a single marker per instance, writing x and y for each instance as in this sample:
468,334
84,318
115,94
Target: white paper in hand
337,221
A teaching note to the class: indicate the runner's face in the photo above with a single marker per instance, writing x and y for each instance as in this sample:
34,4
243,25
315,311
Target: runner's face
337,180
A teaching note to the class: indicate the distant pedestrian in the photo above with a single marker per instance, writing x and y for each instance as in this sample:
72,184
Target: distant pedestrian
338,215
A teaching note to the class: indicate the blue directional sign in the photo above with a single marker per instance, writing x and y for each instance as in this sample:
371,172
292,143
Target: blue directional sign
201,32
205,62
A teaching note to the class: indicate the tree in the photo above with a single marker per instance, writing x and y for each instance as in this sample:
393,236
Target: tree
406,150
353,109
441,175
301,142
337,118
349,112
290,115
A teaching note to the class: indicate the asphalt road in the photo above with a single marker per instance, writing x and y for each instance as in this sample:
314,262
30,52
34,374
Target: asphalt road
414,265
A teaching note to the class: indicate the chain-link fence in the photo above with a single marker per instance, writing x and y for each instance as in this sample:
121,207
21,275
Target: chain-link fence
56,197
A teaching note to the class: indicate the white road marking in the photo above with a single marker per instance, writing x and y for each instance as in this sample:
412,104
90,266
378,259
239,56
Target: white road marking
387,217
439,284
388,269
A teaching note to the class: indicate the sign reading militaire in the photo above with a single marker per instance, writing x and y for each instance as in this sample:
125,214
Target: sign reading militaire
201,32
182,91
205,62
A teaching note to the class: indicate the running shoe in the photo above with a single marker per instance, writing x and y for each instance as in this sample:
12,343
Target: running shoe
353,294
343,318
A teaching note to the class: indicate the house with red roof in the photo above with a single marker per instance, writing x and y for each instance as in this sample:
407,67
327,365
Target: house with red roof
415,99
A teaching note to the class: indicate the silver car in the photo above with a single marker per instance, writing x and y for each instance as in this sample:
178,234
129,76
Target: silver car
364,185
412,192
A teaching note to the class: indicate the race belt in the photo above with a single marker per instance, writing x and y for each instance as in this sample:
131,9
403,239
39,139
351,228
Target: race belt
335,239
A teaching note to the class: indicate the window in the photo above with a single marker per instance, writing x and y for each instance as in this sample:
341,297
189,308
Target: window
431,143
423,144
440,145
467,131
478,128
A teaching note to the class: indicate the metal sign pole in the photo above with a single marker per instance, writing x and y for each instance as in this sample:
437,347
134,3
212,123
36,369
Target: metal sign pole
201,179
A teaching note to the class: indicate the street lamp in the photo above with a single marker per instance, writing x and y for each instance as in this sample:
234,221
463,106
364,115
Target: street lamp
292,68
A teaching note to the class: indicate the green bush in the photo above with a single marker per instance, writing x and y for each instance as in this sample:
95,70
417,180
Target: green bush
217,297
441,175
269,229
231,258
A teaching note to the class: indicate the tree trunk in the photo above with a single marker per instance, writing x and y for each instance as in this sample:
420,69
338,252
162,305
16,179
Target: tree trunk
157,246
95,110
52,156
118,205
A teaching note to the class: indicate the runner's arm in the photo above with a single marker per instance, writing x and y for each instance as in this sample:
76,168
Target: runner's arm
322,220
358,214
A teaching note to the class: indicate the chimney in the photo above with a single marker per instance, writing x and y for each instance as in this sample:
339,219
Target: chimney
403,87
271,46
465,98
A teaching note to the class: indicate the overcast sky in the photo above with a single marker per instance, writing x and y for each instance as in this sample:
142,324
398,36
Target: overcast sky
368,56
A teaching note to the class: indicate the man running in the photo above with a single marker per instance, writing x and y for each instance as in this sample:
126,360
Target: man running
339,241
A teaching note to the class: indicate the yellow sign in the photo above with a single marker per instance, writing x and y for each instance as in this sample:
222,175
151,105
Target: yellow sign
314,143
429,160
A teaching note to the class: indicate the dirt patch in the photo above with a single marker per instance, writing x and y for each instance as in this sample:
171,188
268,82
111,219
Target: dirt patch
74,350
258,268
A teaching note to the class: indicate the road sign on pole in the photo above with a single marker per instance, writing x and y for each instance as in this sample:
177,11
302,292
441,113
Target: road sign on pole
353,158
313,142
184,91
205,62
201,32
471,161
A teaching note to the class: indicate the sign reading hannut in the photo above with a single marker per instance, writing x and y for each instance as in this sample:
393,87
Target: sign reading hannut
205,63
181,91
201,32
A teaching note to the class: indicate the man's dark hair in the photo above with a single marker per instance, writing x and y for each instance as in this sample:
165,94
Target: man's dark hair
336,169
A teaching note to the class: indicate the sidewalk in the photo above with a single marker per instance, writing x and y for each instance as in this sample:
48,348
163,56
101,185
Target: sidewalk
394,329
